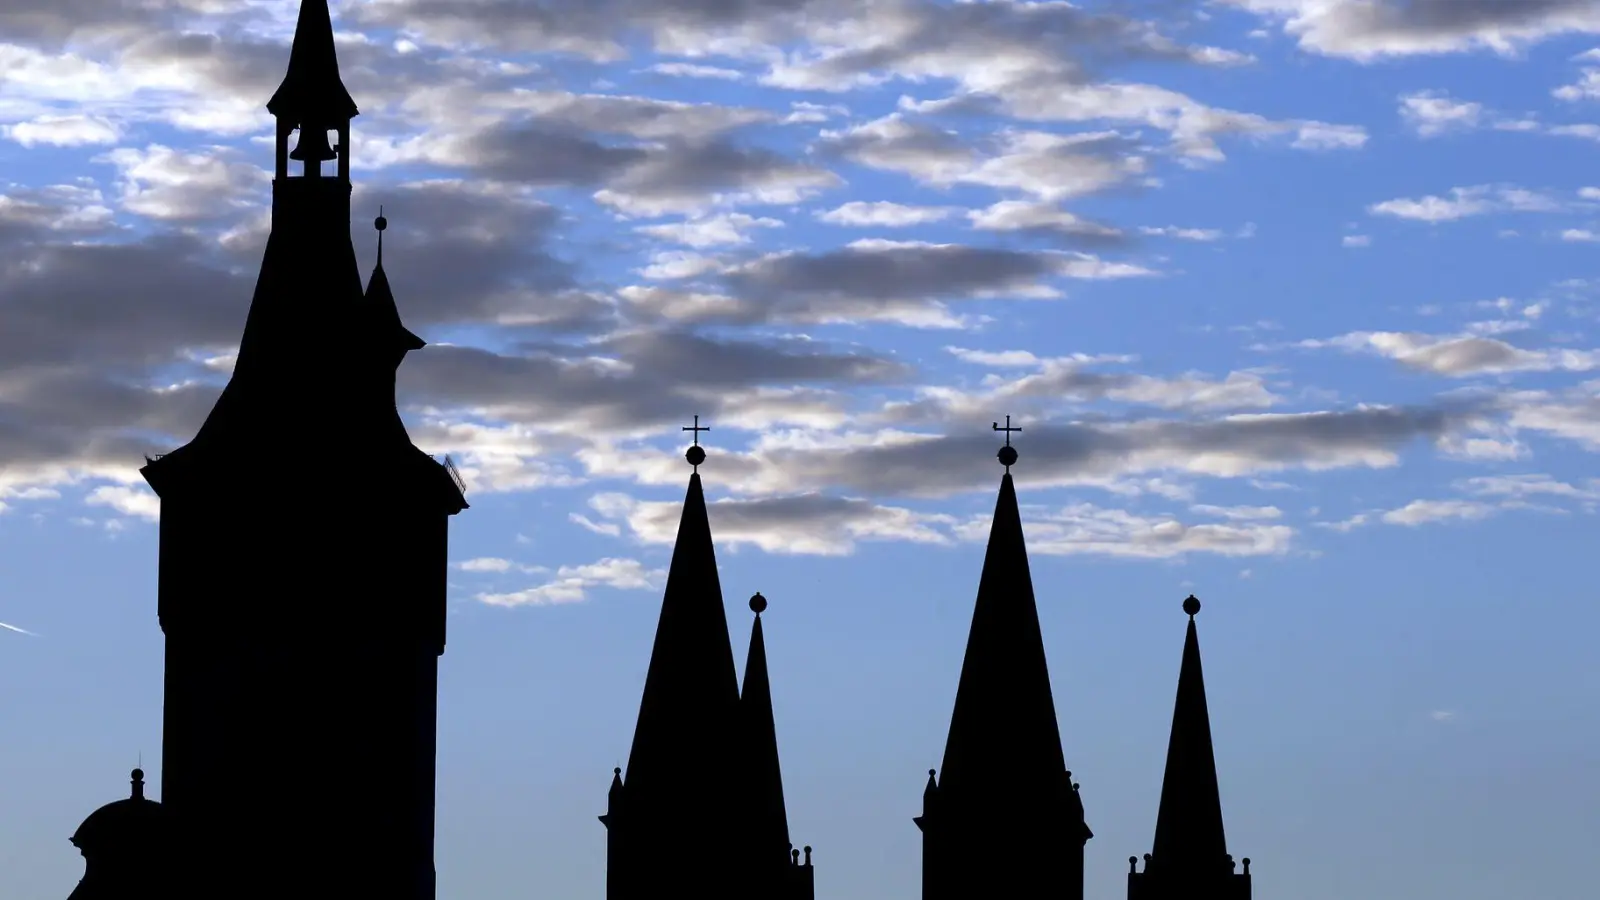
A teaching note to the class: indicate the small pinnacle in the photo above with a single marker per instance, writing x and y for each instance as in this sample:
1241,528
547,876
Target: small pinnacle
1192,606
758,603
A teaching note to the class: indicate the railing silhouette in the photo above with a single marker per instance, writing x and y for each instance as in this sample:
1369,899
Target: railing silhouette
455,475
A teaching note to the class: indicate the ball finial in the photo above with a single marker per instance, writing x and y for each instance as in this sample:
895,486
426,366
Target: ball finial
1007,456
380,223
138,775
696,455
1192,605
758,603
617,771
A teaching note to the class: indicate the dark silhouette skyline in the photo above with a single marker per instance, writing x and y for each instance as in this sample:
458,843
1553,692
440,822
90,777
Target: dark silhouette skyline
339,713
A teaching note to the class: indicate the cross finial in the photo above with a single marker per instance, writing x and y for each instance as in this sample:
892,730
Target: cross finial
696,454
1008,453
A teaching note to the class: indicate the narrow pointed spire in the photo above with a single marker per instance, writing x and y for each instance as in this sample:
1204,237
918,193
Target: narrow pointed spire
1189,833
312,90
769,820
691,692
1004,724
380,301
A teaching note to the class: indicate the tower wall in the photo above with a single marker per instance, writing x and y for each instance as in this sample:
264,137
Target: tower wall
301,689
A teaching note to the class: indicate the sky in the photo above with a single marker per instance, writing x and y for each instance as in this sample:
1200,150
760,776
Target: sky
1295,301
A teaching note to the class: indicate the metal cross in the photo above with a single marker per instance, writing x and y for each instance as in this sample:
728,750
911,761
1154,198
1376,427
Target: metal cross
697,428
1008,429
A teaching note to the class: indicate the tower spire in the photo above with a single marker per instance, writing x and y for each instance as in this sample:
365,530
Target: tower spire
312,89
982,834
769,823
680,785
1190,852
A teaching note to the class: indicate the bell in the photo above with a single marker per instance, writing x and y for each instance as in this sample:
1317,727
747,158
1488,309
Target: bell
317,150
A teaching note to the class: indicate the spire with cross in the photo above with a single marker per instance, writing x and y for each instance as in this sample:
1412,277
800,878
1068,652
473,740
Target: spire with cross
1008,453
696,454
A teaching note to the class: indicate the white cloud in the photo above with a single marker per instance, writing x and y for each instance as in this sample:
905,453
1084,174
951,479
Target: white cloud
63,131
1463,202
1084,528
1419,512
883,214
572,584
139,502
1460,356
1357,240
1432,113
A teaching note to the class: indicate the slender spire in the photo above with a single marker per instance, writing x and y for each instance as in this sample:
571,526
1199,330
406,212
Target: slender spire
380,301
769,821
1004,725
691,692
1189,835
312,91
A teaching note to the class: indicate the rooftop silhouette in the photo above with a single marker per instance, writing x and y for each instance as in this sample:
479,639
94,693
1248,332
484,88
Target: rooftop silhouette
346,712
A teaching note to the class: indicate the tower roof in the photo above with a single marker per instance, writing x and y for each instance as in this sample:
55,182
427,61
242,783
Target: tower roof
312,91
691,693
131,825
1189,835
381,305
1003,729
769,821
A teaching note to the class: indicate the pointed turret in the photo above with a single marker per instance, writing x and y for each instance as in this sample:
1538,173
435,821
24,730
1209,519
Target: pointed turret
1004,813
394,339
773,870
312,89
1190,853
680,787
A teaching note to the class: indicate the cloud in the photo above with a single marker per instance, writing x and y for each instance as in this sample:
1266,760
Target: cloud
1366,30
63,131
1084,528
1356,240
883,214
572,584
1419,512
1464,202
1430,113
804,524
1459,356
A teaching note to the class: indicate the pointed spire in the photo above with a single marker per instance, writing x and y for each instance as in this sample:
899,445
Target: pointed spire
691,692
380,301
768,826
1004,724
312,91
1189,835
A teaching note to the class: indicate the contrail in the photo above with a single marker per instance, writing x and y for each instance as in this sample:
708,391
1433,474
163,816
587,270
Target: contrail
17,630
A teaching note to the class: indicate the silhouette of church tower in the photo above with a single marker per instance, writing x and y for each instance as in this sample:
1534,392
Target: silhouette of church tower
1004,818
1190,856
303,560
124,846
701,810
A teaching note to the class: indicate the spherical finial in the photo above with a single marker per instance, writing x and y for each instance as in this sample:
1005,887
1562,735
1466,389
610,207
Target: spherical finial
381,223
932,772
1192,605
617,771
1007,456
696,455
138,775
758,603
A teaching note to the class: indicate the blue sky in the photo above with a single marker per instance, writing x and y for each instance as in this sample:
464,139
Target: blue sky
1295,301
